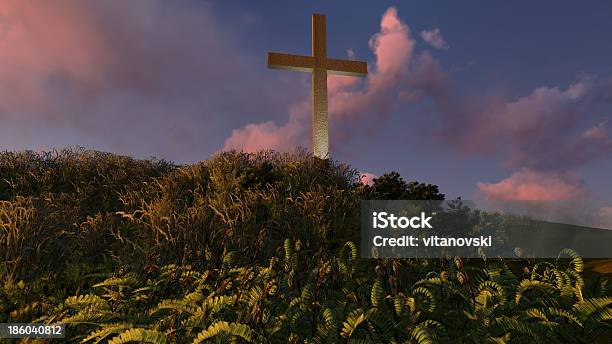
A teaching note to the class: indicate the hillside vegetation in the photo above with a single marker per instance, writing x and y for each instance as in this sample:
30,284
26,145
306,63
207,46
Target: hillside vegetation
255,248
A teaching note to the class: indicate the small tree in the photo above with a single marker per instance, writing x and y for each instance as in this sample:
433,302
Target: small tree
392,186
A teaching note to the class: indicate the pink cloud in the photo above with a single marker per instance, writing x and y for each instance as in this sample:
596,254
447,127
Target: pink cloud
434,38
367,178
427,77
605,211
262,136
548,128
533,185
350,54
596,132
351,101
555,116
392,46
40,40
603,218
124,77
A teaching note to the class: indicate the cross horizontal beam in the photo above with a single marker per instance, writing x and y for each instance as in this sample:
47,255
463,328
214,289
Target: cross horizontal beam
301,63
347,67
298,63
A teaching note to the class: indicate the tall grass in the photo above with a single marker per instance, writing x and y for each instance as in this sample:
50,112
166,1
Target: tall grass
75,206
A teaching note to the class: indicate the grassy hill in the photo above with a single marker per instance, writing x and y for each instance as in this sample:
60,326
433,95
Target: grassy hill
256,248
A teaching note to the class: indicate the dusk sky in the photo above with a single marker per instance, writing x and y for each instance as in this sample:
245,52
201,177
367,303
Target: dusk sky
504,100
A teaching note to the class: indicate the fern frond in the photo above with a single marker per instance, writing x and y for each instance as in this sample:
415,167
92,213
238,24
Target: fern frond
576,262
140,335
125,281
421,336
89,314
223,327
526,285
82,301
105,331
353,320
376,295
428,296
351,248
562,313
584,309
509,325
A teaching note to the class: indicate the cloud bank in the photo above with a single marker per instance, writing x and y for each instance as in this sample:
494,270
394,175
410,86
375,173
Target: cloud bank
543,135
550,128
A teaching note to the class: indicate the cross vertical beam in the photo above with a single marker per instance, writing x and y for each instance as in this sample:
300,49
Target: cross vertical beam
320,130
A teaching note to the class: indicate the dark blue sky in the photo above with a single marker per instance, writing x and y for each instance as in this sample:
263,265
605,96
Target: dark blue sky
520,43
519,101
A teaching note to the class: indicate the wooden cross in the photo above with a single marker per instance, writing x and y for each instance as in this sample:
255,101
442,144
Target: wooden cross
318,64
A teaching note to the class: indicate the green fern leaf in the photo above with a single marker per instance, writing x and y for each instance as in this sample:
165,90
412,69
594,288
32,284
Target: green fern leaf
353,320
105,331
223,327
376,295
140,335
526,285
576,261
125,281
